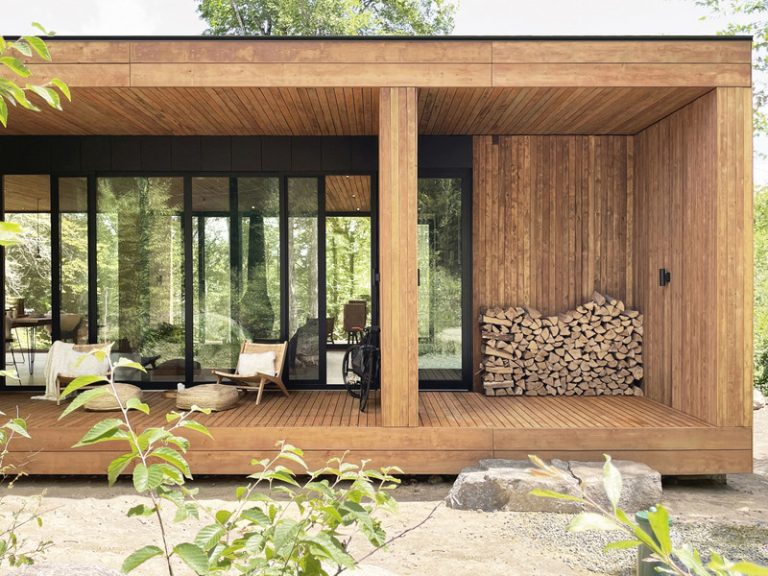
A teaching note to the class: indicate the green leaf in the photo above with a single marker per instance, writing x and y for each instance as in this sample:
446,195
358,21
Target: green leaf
18,426
3,113
39,46
141,478
622,545
223,516
658,518
749,569
209,536
63,87
125,363
174,458
140,510
193,556
41,28
22,47
15,65
117,466
50,95
136,404
612,482
83,398
140,556
80,382
586,521
197,427
552,494
155,476
101,432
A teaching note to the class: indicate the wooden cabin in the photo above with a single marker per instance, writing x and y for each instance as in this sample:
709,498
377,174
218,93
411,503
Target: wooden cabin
196,191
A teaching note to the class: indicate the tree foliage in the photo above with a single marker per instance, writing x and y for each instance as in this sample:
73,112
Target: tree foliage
15,94
327,17
749,17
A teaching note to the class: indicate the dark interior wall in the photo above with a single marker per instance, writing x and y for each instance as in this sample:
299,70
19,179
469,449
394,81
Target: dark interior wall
82,154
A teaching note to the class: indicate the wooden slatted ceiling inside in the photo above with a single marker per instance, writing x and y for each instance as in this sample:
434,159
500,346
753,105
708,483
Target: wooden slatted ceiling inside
208,111
552,221
346,193
352,111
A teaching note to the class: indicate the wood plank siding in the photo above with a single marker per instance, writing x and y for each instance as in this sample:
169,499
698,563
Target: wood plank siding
693,216
455,430
552,221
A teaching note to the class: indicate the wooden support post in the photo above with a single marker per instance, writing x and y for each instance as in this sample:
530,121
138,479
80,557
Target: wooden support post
397,255
734,257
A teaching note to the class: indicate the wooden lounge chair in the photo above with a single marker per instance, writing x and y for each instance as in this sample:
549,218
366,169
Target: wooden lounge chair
257,381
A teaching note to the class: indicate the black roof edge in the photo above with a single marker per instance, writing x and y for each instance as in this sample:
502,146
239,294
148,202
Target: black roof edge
656,38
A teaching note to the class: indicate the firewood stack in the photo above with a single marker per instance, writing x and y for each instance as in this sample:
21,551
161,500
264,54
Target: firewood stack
594,350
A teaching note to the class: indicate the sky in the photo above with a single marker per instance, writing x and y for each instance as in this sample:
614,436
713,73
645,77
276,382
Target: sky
474,17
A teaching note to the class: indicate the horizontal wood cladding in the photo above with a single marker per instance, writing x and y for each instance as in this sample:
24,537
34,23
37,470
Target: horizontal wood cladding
552,221
659,51
404,50
340,63
693,216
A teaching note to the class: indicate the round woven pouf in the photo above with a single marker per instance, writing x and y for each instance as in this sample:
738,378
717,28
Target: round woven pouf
214,397
106,401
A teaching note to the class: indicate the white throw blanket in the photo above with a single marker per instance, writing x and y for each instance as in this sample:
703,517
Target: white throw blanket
56,363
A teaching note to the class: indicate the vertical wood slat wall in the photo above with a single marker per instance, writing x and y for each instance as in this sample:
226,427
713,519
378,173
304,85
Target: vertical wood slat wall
552,221
398,109
694,214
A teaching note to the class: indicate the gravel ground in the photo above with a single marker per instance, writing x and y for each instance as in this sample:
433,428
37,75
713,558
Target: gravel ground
86,521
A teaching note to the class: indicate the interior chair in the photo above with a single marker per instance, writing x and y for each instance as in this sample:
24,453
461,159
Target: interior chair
258,365
69,324
355,314
9,341
330,324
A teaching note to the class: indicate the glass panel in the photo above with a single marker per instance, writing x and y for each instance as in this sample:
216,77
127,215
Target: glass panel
73,204
259,213
303,324
440,265
348,278
28,278
217,335
140,276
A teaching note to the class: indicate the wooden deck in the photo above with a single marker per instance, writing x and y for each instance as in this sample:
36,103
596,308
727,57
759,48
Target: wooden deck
456,429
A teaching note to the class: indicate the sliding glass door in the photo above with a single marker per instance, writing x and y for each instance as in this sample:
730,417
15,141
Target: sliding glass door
442,240
140,273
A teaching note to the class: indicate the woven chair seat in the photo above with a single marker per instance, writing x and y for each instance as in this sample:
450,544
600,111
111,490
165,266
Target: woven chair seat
216,397
106,402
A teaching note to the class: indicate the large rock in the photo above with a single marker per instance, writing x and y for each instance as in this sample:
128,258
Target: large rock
641,484
758,400
506,484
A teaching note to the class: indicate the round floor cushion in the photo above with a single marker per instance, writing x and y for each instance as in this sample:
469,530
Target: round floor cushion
107,401
211,396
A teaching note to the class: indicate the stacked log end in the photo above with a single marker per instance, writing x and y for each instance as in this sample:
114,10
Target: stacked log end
594,350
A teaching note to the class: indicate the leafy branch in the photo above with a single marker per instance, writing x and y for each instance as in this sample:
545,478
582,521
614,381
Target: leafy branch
11,92
677,560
